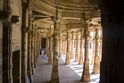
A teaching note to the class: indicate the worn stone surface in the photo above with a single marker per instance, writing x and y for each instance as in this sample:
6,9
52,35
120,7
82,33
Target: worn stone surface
1,36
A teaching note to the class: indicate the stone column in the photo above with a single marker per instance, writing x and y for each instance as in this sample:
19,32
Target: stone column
81,49
29,60
32,47
47,44
38,45
76,50
50,47
93,52
96,68
86,73
23,47
7,20
68,51
63,43
100,44
51,50
60,43
55,76
72,48
29,67
32,53
7,50
112,64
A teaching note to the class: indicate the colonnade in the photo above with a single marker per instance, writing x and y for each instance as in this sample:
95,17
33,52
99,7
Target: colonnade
79,41
23,69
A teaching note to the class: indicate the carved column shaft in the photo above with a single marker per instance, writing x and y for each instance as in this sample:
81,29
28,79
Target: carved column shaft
29,68
23,43
32,54
86,72
63,44
68,51
76,50
50,47
35,57
7,52
81,49
7,42
93,52
51,50
60,45
55,76
72,48
96,57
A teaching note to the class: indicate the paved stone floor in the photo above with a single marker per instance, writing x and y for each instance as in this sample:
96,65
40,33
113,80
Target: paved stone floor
67,73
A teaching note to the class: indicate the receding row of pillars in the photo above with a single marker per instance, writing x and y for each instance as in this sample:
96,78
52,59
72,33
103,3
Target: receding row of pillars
19,66
68,45
82,43
30,41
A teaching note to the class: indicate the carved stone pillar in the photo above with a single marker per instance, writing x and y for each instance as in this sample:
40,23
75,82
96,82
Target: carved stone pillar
81,49
55,76
60,45
100,44
96,68
7,21
23,47
38,45
93,52
7,52
32,53
63,44
72,48
76,50
29,68
68,52
100,49
51,50
86,73
47,44
29,60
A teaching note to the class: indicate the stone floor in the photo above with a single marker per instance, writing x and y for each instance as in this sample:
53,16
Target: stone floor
67,73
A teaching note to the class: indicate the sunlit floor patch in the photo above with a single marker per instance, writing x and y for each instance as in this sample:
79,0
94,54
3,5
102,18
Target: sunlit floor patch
78,69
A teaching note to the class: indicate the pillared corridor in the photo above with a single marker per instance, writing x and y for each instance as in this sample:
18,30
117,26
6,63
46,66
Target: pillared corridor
68,73
61,41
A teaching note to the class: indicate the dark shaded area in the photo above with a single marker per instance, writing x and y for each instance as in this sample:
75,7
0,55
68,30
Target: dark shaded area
43,43
16,66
